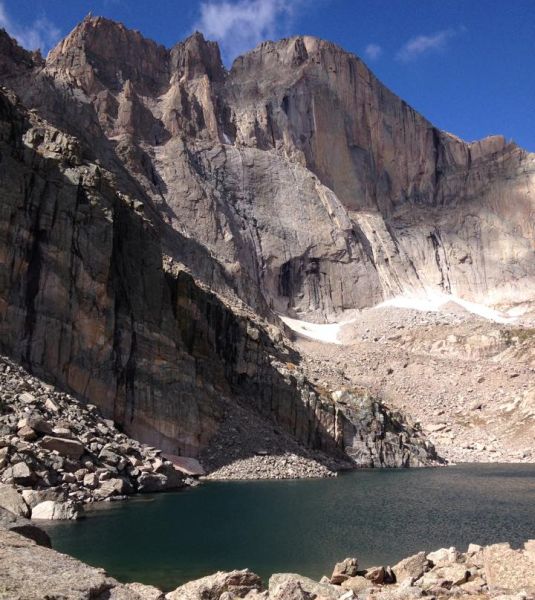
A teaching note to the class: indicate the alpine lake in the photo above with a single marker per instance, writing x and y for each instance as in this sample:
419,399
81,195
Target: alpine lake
303,526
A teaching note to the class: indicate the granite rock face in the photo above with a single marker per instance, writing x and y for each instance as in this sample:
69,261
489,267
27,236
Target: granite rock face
91,300
304,175
158,210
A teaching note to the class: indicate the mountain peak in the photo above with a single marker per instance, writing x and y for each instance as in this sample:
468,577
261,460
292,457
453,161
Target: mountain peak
103,49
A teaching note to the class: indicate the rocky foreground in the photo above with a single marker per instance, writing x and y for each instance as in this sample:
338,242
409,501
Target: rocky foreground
29,571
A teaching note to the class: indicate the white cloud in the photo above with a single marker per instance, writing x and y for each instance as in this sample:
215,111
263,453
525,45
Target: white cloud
41,34
240,25
373,51
423,44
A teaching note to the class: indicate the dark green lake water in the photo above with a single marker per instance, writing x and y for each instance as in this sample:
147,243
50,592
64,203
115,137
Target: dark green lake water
379,516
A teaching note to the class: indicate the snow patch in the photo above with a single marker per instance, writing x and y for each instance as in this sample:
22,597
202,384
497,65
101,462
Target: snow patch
324,332
436,301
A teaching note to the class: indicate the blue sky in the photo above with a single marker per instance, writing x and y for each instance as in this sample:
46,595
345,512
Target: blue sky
467,65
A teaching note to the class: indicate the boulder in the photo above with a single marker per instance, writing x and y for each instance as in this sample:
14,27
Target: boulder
412,567
112,487
51,405
27,434
344,570
357,584
26,398
237,583
291,589
151,482
12,501
35,497
68,478
145,592
325,591
51,510
452,574
63,446
186,465
91,481
109,456
62,432
37,423
32,572
444,556
174,478
375,574
507,570
473,549
20,473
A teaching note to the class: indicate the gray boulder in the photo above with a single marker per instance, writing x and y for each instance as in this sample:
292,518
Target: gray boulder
344,570
51,511
237,583
63,446
12,501
327,591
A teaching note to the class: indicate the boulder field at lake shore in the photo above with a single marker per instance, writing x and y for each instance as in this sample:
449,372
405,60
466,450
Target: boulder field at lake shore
30,571
57,454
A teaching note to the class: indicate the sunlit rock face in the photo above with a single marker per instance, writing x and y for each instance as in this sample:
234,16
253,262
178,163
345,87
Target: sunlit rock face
304,175
158,210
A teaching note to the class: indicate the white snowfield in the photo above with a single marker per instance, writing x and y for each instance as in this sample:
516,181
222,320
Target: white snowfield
325,332
430,302
434,301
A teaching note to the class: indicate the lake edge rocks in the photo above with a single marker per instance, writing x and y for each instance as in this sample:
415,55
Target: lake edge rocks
58,454
31,571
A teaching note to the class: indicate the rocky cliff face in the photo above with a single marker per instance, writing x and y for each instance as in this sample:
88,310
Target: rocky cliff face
90,301
158,210
302,173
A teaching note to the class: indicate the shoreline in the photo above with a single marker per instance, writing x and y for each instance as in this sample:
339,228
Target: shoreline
480,572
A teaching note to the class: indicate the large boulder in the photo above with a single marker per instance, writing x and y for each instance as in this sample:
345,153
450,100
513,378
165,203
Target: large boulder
237,583
344,570
186,465
443,556
37,423
115,486
325,591
412,567
508,570
31,572
290,589
19,473
151,482
376,575
63,446
174,478
12,501
50,510
357,584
